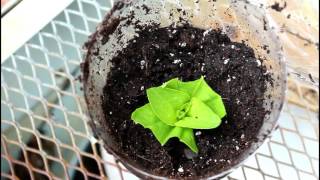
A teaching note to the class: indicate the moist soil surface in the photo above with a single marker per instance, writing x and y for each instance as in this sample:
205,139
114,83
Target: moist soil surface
160,54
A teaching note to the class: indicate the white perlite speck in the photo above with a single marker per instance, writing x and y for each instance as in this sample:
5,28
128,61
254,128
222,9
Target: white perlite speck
142,63
202,67
171,54
226,61
206,32
180,169
242,136
142,88
258,62
237,148
232,46
176,61
174,31
229,79
184,44
110,112
198,133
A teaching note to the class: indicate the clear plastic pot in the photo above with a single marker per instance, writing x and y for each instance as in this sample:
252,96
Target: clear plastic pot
238,19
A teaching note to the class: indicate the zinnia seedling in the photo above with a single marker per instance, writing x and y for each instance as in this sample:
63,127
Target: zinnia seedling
176,108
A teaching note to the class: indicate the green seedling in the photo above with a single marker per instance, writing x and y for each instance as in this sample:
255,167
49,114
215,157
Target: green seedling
176,108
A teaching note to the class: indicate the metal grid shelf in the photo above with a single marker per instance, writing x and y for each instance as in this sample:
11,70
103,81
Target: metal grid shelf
44,131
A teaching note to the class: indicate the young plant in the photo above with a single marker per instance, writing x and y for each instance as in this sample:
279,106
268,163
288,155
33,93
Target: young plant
176,108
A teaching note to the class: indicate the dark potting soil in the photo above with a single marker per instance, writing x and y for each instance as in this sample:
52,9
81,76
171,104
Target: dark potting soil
160,54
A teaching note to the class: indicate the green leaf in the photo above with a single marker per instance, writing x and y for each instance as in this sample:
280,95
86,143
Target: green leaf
201,90
199,116
172,84
217,106
144,116
165,102
185,135
183,110
163,132
210,97
187,87
176,108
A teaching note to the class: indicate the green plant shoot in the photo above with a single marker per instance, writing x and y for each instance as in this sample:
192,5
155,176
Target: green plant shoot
176,108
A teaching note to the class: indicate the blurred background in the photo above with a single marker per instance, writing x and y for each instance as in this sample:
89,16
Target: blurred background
44,131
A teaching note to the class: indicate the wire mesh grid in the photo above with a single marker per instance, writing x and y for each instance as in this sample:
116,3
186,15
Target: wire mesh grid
44,131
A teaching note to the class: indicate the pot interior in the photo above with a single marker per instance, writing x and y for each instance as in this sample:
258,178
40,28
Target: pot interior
242,22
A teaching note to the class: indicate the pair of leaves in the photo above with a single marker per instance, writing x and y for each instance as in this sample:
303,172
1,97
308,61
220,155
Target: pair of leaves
176,108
